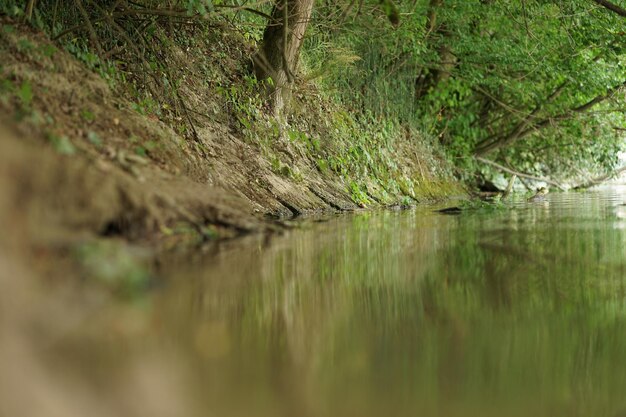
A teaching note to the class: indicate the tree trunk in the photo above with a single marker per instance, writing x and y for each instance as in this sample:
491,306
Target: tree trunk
599,180
282,39
30,6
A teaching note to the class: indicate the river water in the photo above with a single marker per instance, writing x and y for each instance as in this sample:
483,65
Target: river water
513,312
508,312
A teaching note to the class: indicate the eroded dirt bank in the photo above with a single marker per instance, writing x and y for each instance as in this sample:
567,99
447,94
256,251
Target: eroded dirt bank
87,161
72,146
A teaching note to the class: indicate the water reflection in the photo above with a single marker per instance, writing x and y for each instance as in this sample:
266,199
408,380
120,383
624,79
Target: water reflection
516,312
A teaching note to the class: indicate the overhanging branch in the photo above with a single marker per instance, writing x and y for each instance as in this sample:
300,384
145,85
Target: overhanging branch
526,128
519,174
611,6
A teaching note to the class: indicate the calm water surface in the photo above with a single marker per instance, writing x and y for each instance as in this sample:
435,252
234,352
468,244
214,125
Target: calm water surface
517,312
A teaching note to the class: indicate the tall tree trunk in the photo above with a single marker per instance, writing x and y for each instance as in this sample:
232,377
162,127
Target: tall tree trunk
282,39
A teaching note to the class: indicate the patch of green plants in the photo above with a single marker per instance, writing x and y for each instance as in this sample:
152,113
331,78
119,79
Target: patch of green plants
142,147
407,201
94,138
284,170
6,89
87,115
25,94
48,50
244,101
105,68
25,45
147,106
322,165
357,194
496,204
8,29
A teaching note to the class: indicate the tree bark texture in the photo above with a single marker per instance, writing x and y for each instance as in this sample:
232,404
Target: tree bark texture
282,40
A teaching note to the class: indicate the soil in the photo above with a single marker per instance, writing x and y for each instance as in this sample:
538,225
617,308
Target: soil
105,187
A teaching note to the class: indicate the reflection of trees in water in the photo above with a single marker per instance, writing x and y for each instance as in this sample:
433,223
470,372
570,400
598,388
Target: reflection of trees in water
422,313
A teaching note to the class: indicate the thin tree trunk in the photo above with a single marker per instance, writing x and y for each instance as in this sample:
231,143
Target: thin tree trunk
30,7
612,7
282,40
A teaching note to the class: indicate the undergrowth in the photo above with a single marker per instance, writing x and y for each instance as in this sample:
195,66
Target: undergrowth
196,69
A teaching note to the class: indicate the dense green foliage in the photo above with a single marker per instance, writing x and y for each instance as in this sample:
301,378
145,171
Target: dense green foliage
536,85
507,78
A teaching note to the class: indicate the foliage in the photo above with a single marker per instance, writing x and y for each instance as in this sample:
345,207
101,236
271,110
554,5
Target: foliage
61,144
481,71
534,84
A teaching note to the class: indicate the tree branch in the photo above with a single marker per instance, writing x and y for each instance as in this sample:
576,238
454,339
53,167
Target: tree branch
491,143
517,134
612,7
519,174
599,180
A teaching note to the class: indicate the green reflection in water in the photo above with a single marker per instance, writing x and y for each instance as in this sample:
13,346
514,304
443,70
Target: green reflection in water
518,312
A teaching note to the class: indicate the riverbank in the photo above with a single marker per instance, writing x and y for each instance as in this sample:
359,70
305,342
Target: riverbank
91,158
97,180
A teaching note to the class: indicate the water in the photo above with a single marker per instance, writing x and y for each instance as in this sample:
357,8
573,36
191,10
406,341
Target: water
514,312
511,312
